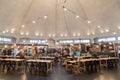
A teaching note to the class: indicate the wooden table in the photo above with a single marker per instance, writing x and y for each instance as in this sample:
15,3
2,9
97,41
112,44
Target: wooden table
16,61
100,61
48,62
6,56
46,58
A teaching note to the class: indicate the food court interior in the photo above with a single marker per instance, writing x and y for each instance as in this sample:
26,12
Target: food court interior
59,39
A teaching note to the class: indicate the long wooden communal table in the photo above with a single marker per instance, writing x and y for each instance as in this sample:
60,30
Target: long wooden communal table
6,56
46,58
39,65
11,64
102,62
92,62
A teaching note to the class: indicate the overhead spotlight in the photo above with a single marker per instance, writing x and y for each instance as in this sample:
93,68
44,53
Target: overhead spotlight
107,30
41,34
3,32
77,16
13,29
22,33
89,22
36,34
45,17
27,33
114,33
88,34
23,26
65,9
74,34
102,31
78,34
99,26
33,21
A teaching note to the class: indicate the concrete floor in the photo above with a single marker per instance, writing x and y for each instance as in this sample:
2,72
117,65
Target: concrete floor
59,73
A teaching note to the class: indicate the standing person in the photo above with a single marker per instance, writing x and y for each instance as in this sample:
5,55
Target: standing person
15,51
9,51
77,53
71,52
33,51
3,51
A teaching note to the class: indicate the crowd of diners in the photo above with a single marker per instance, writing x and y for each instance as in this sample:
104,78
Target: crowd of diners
44,51
62,54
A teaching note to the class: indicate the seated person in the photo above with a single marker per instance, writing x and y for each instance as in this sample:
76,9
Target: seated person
88,54
22,56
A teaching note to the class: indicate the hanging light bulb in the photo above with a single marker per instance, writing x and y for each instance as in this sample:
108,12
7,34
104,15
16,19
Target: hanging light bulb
45,17
74,34
65,9
107,30
47,43
53,35
77,16
33,21
3,32
6,46
27,33
23,26
14,45
22,33
61,35
88,34
89,22
114,33
49,35
24,41
118,27
102,31
57,43
12,29
36,34
78,34
93,33
99,26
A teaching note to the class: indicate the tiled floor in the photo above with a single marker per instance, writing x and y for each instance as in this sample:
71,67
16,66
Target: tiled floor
59,73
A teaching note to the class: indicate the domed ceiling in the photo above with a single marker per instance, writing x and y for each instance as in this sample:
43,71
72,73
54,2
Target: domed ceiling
59,19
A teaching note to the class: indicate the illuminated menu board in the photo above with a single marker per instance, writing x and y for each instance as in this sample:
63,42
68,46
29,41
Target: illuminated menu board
38,41
74,41
110,39
5,39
